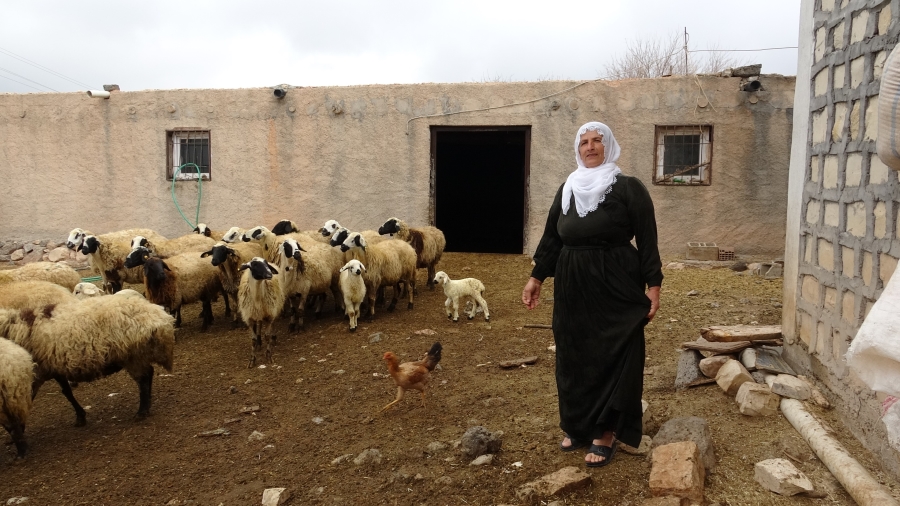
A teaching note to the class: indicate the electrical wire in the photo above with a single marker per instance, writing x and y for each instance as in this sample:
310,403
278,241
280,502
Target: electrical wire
20,82
738,50
25,78
7,52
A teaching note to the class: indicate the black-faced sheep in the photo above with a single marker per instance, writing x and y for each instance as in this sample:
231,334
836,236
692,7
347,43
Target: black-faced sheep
58,273
353,288
429,243
260,300
228,258
461,288
77,236
108,256
178,280
171,247
271,243
388,263
91,339
308,271
33,294
16,379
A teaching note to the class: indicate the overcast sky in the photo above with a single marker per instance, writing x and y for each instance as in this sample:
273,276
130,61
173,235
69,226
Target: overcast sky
163,44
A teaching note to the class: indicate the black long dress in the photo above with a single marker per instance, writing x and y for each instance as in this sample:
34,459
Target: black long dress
600,308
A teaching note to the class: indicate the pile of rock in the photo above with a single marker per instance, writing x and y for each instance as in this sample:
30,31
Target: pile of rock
18,252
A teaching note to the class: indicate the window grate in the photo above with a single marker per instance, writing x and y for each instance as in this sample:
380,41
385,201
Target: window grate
190,151
683,155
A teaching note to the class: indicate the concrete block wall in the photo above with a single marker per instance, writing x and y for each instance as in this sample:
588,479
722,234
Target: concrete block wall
849,233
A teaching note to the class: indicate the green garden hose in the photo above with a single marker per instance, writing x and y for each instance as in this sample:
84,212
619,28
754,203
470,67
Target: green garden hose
199,193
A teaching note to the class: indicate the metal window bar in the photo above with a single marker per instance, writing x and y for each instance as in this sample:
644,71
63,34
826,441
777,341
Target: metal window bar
683,154
190,151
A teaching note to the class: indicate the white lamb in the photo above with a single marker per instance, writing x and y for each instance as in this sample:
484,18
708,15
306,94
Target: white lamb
16,378
260,301
353,288
388,263
455,289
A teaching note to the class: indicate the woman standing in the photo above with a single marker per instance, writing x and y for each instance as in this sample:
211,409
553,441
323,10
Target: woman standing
600,305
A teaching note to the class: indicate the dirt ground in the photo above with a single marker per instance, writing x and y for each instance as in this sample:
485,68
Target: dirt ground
320,400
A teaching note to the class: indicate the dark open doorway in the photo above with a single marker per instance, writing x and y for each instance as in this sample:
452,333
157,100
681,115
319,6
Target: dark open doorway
480,181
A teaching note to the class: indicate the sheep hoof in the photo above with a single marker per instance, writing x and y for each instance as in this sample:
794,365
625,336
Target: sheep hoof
352,329
409,306
455,320
235,324
487,318
141,416
292,327
80,421
470,317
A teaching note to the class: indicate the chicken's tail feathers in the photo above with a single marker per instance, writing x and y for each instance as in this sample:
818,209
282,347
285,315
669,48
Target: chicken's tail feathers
434,356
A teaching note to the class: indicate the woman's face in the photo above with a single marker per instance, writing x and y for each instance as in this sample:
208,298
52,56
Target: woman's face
590,147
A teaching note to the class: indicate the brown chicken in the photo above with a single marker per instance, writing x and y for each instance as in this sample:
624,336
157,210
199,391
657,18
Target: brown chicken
412,375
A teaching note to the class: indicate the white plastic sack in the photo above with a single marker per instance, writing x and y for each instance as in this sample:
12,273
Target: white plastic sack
887,141
874,354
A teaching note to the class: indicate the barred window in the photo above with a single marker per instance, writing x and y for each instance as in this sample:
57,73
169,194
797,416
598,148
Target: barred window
683,155
188,154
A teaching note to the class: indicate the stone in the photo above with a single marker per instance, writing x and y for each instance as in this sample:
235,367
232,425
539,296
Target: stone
642,449
566,480
435,447
668,500
675,266
747,70
341,459
376,337
275,496
690,428
786,385
57,254
28,247
35,256
646,416
774,272
444,480
17,500
769,360
760,377
756,400
688,373
256,436
731,376
782,477
710,366
748,359
483,460
4,258
479,441
12,246
367,457
677,470
17,255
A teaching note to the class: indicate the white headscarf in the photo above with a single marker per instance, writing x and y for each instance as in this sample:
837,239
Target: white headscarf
590,186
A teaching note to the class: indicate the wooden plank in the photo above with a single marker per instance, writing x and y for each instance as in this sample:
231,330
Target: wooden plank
732,333
519,362
771,361
726,348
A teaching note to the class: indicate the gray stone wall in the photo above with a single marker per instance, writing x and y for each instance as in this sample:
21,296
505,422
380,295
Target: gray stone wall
848,244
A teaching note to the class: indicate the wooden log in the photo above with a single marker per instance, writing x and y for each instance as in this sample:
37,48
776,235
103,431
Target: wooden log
537,326
519,362
729,334
727,348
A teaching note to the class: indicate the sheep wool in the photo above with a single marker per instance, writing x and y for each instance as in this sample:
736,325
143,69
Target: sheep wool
59,273
93,338
429,243
33,294
228,258
16,377
172,247
308,270
388,263
461,288
108,257
260,301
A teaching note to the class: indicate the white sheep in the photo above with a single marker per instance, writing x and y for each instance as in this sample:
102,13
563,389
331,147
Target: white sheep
260,301
91,339
233,235
16,378
33,294
77,235
270,242
353,288
460,288
306,271
388,263
429,243
53,272
178,280
84,290
228,258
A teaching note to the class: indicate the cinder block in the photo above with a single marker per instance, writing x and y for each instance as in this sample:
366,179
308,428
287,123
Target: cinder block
702,251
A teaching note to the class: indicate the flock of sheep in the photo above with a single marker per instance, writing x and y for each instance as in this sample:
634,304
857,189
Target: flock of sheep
55,327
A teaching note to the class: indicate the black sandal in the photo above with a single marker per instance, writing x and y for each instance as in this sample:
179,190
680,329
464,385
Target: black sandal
572,447
607,452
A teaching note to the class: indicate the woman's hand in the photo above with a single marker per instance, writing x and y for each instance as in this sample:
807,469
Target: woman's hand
531,295
653,295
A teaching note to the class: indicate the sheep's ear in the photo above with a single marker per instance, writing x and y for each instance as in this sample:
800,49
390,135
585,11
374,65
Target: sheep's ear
231,252
300,248
244,266
166,267
206,254
272,268
363,267
197,229
344,268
